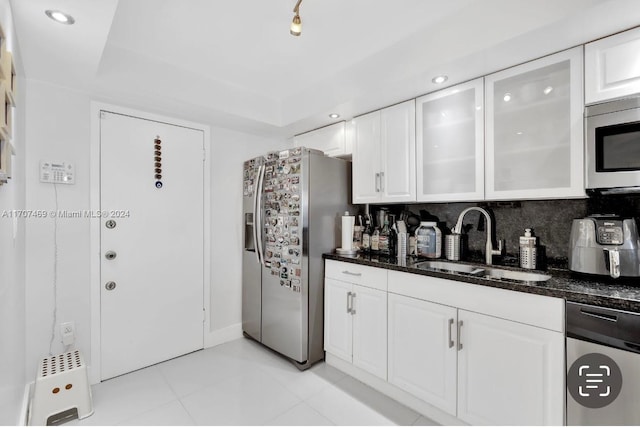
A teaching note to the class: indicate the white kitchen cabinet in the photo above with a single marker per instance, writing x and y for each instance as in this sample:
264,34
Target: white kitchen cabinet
450,144
338,329
422,350
612,67
370,330
534,129
384,155
356,316
365,163
332,140
492,356
509,373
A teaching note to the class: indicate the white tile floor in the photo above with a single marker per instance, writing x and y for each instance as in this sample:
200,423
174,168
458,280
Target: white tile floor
242,383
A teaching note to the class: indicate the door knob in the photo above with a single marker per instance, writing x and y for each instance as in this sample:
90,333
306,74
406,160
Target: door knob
110,285
110,255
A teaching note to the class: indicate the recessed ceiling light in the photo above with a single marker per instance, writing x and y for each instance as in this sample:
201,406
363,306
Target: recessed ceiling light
507,97
548,90
334,115
60,17
439,79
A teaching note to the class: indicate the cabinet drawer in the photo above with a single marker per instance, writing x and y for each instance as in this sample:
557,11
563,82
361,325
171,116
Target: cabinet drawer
357,274
532,309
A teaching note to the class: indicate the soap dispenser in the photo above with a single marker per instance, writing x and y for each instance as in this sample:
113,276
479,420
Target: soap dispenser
528,250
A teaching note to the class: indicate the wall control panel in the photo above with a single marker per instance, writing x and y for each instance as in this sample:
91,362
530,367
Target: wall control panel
57,172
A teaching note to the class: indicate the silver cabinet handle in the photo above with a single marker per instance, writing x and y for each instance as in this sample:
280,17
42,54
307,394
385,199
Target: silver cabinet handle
377,181
459,335
346,272
349,302
353,297
451,321
382,181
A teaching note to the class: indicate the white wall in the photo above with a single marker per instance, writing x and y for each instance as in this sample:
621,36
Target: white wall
58,129
58,125
12,294
229,150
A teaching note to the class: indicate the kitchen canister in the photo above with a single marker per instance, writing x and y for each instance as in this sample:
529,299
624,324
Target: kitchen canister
453,246
428,240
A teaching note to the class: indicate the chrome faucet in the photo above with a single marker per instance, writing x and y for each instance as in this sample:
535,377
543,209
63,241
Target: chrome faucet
489,250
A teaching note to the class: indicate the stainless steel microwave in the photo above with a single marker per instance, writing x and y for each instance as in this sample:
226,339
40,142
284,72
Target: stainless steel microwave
613,146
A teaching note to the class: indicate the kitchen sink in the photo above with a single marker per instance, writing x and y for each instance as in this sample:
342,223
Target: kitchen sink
450,267
496,273
479,271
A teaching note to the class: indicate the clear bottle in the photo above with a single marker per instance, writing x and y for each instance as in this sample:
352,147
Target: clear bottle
384,244
366,236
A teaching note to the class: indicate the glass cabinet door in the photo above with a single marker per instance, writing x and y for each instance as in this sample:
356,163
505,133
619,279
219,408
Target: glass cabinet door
534,129
450,144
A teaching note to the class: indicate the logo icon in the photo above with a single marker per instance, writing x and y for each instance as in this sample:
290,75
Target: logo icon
594,380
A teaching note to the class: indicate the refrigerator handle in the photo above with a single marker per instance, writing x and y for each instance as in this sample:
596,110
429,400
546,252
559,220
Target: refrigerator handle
257,222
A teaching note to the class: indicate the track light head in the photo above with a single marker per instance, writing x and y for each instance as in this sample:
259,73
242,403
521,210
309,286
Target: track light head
296,24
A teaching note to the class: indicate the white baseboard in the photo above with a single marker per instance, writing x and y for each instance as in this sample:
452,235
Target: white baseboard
392,391
223,335
23,417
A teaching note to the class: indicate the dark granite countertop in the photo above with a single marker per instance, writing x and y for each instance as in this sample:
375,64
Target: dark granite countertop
599,291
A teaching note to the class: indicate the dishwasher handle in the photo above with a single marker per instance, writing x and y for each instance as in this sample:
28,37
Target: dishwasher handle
611,327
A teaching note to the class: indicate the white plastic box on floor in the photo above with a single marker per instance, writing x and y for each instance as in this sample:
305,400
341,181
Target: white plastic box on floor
61,391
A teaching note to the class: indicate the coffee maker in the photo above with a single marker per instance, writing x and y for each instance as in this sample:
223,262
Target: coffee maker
605,245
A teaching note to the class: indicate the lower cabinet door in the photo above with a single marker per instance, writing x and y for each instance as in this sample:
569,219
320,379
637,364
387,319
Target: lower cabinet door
509,373
370,330
337,319
422,350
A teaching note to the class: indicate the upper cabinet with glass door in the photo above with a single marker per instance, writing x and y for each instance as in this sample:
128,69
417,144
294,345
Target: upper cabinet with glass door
450,144
534,129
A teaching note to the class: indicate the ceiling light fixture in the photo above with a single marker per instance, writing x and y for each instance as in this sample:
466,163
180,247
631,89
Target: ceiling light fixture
507,97
548,90
296,24
439,79
334,115
60,17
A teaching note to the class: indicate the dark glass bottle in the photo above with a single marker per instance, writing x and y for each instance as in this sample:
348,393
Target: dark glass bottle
384,243
366,236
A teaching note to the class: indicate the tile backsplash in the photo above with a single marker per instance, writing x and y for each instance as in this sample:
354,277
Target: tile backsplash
550,220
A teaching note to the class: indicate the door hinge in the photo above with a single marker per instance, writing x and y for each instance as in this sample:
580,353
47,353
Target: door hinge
204,315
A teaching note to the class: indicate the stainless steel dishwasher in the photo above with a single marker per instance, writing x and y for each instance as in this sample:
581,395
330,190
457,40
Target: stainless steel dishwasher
603,366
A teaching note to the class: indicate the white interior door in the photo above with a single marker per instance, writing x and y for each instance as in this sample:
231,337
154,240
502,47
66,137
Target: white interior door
152,291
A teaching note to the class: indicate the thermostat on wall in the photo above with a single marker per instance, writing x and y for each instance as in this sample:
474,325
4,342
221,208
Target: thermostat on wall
57,172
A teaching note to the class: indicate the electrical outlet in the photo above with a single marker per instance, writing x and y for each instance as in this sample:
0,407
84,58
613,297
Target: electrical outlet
68,333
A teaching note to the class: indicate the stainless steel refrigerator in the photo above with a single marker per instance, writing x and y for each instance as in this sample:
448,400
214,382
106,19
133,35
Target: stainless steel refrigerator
293,201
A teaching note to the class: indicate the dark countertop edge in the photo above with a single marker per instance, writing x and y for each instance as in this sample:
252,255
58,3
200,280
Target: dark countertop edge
550,288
